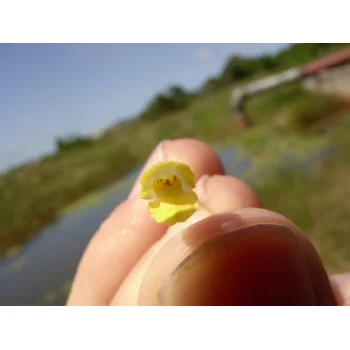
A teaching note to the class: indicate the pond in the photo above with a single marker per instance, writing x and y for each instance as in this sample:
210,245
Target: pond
40,272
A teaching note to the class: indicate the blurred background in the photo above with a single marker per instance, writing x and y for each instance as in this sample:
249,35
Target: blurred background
78,121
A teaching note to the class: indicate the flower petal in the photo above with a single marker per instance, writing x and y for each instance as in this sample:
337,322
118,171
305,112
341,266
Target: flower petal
177,211
164,170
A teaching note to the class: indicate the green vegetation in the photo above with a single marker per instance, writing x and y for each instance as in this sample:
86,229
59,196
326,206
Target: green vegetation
283,120
318,201
71,143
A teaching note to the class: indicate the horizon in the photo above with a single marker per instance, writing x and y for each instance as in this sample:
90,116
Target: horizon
56,90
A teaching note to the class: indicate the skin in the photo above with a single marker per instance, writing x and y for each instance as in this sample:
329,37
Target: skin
230,252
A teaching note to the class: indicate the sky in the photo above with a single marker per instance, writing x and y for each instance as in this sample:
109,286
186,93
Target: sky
52,90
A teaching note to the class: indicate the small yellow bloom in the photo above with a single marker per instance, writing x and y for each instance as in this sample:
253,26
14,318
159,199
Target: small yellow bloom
168,185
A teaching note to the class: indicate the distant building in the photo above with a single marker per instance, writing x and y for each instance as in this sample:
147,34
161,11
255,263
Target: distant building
330,74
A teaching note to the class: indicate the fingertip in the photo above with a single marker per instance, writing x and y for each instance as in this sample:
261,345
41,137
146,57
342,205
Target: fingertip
264,246
341,288
200,156
257,265
233,194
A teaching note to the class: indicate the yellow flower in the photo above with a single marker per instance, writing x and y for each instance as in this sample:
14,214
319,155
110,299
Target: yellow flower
168,185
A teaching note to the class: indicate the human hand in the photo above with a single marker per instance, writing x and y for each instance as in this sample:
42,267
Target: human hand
230,252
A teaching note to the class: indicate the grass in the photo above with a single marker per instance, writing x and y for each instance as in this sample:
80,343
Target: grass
289,118
318,202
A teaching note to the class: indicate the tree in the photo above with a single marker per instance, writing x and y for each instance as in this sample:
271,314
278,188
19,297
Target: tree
71,142
238,68
211,85
174,99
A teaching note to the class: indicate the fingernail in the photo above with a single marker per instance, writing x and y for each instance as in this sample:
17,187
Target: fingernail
158,155
258,265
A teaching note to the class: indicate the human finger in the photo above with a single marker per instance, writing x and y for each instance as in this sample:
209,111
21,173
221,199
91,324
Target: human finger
217,194
248,257
130,230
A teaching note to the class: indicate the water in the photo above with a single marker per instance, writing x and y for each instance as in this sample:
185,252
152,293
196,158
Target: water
41,271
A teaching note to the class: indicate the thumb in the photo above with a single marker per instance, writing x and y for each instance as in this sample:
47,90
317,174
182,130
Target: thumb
259,264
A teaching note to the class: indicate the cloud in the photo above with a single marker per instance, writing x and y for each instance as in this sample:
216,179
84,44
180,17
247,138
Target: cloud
202,53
